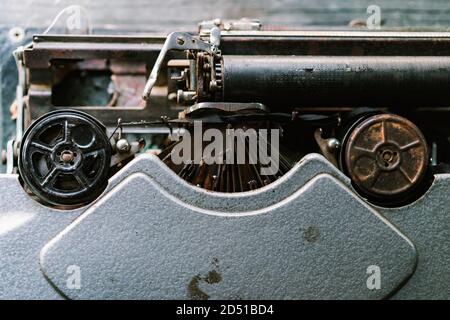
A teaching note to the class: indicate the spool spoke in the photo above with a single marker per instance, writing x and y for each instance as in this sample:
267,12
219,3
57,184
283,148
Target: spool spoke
384,132
410,145
82,179
360,151
41,147
66,131
405,174
50,177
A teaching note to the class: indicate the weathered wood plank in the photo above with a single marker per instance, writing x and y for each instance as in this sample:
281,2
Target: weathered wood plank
165,15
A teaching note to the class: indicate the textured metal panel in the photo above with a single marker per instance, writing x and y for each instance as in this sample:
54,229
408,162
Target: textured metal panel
139,241
427,222
25,227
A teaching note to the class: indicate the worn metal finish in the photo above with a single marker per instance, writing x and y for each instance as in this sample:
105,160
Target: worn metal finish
336,43
172,249
48,49
386,156
201,108
24,232
26,229
175,41
406,81
424,222
126,58
131,48
213,216
65,157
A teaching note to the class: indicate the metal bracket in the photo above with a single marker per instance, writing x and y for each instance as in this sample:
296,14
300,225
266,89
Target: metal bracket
327,146
201,107
180,41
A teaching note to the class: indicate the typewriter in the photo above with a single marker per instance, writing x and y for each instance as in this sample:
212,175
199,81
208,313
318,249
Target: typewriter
235,162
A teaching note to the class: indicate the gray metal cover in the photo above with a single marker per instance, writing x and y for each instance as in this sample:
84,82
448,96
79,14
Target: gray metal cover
151,235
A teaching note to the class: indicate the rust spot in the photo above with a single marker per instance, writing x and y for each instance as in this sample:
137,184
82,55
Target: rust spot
194,292
212,277
311,234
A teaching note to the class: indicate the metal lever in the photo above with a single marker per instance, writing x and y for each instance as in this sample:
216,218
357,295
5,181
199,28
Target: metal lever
177,41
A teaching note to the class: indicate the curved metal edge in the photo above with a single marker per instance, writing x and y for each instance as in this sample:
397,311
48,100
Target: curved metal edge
307,168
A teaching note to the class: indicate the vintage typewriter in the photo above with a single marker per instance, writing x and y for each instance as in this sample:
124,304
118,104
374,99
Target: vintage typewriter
357,205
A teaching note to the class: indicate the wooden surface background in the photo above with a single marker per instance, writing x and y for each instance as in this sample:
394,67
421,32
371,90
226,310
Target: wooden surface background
166,15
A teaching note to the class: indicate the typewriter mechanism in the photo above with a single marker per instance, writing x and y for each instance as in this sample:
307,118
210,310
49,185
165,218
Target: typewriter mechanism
370,107
357,120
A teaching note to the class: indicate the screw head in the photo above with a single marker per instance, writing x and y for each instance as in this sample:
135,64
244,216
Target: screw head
67,156
180,40
333,144
123,146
